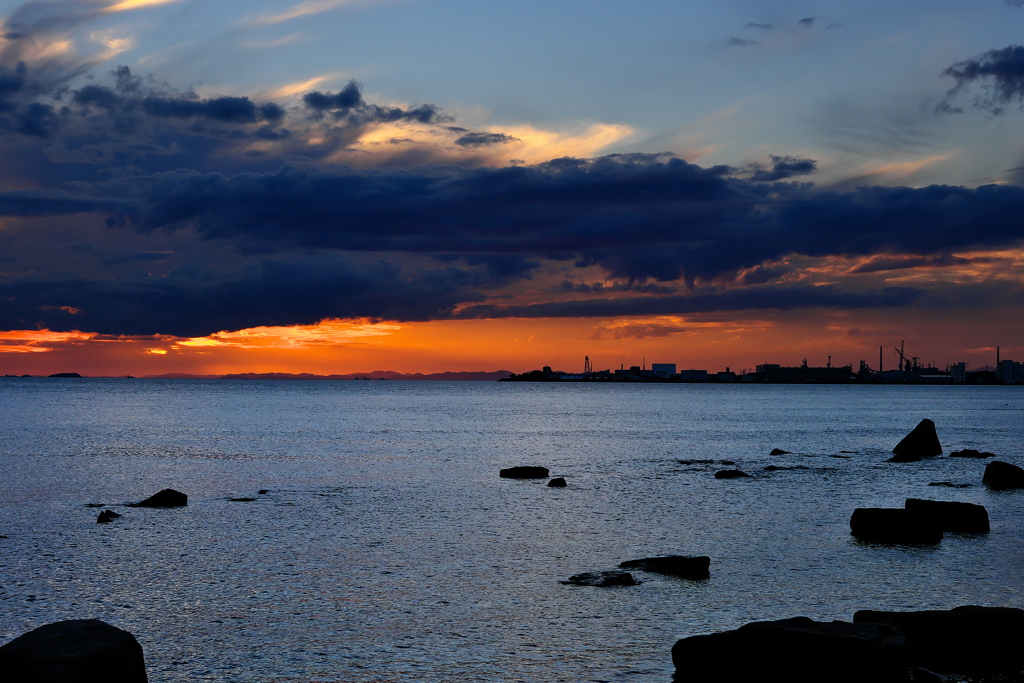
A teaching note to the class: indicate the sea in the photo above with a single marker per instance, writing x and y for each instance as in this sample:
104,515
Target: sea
387,548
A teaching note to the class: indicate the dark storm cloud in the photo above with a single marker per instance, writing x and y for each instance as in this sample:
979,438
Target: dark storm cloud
197,302
999,74
887,262
55,203
782,167
757,298
806,22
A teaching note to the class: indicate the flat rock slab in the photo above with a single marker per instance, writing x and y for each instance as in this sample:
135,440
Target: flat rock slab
168,498
604,579
1003,475
684,566
524,472
731,474
895,525
78,651
968,641
796,650
961,518
971,453
921,442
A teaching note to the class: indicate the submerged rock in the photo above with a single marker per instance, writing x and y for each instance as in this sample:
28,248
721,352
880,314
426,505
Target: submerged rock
971,453
921,442
796,650
168,498
1003,475
524,472
83,651
964,641
895,525
605,579
557,482
241,500
965,518
107,516
730,474
687,567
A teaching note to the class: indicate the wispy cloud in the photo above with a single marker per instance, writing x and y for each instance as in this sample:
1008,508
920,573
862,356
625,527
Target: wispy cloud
303,9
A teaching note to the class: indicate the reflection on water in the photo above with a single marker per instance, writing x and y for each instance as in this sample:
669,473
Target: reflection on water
387,547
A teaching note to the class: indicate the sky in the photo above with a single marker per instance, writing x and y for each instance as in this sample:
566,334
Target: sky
337,186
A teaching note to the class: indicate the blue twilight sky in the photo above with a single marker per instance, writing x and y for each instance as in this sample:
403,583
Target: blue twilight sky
177,169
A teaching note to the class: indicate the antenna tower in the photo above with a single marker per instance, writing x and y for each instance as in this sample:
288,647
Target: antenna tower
587,367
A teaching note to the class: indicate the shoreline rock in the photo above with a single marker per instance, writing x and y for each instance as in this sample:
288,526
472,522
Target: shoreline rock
80,650
683,566
168,498
524,472
921,442
605,579
957,517
895,525
1001,475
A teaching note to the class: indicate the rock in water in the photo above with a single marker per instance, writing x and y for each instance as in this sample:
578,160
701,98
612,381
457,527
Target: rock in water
107,516
778,451
168,498
557,482
895,525
687,567
82,651
731,474
921,442
979,642
524,472
964,518
796,650
1003,475
602,579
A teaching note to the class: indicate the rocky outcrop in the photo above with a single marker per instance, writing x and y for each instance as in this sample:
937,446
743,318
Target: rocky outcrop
524,472
605,579
796,650
963,518
83,651
730,474
895,525
1003,475
964,641
107,516
684,566
168,498
921,442
557,482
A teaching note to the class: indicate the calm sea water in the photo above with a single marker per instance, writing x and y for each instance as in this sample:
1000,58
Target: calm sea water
388,549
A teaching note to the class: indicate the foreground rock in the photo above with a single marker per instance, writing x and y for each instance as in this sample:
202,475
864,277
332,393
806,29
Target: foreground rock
796,650
920,443
687,567
82,651
605,579
730,474
966,641
524,472
1003,475
168,498
961,518
895,525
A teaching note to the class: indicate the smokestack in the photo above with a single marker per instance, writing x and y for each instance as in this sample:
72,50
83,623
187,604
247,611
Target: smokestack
879,358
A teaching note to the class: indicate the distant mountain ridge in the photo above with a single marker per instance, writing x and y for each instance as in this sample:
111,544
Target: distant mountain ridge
375,375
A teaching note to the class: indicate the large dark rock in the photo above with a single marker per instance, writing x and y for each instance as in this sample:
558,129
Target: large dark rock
557,483
895,525
796,650
1003,475
604,579
964,518
687,567
168,498
921,442
524,472
967,641
730,474
80,651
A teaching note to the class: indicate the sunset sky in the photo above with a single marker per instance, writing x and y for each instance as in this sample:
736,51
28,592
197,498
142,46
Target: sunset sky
337,186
